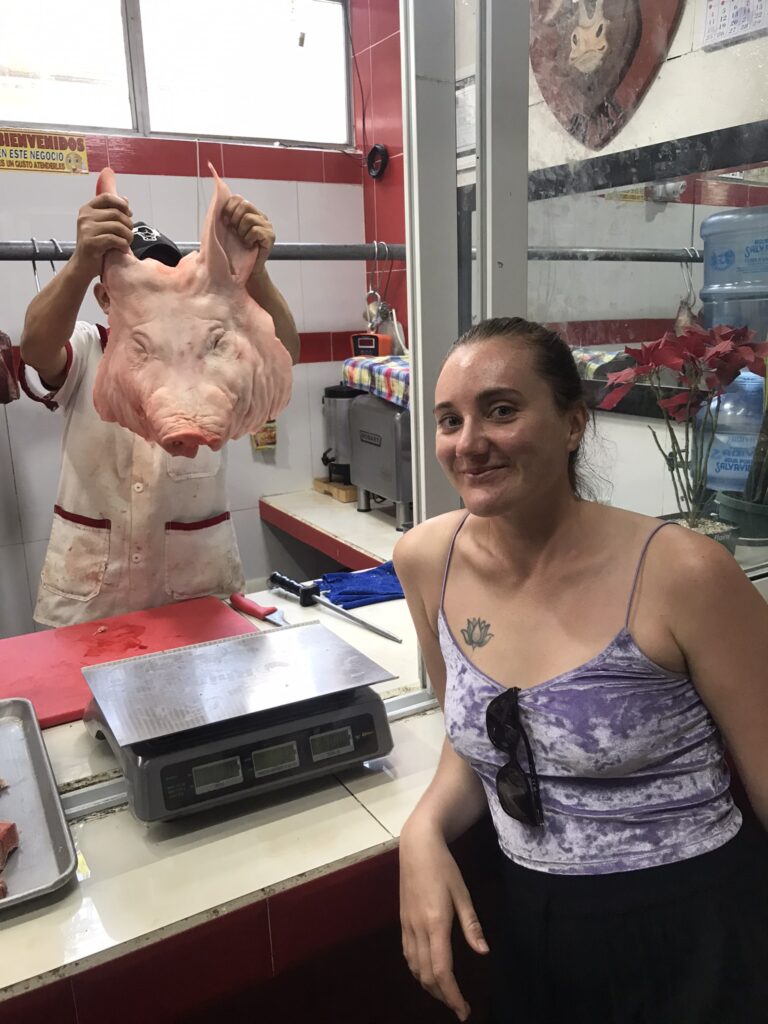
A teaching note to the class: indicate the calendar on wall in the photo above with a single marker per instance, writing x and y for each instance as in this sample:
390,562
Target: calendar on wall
728,21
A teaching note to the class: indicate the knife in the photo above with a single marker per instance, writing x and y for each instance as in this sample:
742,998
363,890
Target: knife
309,594
266,613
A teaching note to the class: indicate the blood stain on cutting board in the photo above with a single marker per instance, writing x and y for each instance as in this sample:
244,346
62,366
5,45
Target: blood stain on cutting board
114,641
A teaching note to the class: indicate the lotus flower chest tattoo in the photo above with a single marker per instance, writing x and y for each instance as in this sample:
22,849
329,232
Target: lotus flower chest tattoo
477,633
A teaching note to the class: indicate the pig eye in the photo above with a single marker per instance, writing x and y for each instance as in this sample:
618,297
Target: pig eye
216,340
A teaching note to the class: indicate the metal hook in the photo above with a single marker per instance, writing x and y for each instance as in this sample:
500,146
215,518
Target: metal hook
35,253
371,286
685,270
58,250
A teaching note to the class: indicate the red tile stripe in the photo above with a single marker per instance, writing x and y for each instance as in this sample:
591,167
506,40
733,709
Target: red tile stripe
343,553
611,332
131,154
200,524
74,517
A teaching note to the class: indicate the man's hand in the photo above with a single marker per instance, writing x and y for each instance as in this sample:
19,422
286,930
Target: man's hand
102,224
253,228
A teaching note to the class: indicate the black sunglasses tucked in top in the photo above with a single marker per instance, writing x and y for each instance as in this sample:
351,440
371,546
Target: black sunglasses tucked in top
517,791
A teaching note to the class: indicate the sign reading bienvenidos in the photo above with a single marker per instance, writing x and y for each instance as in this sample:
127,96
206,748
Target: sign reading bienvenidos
27,150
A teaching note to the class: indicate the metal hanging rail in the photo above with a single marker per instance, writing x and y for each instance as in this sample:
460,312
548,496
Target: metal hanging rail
688,254
51,250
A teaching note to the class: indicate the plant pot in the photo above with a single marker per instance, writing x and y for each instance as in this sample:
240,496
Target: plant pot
725,536
750,517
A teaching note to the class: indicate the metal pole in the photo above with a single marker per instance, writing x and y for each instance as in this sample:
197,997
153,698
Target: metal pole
427,33
689,254
381,251
501,77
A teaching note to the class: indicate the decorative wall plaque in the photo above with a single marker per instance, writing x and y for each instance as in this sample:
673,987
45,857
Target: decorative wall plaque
595,59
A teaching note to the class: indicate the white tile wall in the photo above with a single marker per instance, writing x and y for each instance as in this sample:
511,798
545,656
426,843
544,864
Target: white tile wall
35,434
10,523
334,292
15,602
45,205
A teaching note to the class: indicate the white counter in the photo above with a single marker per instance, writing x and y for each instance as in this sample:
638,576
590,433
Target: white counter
371,533
138,883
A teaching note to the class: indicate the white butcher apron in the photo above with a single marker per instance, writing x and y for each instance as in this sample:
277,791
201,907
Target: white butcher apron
133,527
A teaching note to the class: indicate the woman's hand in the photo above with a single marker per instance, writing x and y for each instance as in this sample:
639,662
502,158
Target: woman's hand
432,891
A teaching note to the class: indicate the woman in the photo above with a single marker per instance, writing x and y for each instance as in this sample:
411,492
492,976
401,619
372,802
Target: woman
633,892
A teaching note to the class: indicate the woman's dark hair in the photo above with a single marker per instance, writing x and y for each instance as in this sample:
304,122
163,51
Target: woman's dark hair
554,362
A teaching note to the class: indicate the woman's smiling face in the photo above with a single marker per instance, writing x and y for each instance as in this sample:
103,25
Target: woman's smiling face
500,437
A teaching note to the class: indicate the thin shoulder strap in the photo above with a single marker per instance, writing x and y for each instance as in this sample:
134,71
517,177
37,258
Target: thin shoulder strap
640,561
448,559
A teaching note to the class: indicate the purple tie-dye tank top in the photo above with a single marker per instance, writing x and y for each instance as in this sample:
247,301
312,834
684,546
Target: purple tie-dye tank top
630,763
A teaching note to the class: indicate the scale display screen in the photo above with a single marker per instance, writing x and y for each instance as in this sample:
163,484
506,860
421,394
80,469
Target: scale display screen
216,775
329,744
269,760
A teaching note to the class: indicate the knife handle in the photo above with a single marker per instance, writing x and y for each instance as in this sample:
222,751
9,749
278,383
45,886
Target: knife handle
244,604
306,592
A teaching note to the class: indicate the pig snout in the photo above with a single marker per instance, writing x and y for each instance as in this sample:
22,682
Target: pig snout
183,421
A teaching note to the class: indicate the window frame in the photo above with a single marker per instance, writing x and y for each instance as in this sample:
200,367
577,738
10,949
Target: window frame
138,97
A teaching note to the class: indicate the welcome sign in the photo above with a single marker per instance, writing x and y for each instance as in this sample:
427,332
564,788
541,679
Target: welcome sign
27,150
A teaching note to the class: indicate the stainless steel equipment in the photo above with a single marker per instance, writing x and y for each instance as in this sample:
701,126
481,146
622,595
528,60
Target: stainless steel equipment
46,859
381,455
213,723
337,401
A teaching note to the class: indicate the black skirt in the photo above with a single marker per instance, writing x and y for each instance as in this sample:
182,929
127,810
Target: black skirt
686,943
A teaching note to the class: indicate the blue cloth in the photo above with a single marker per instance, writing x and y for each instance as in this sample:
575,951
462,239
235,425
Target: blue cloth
355,589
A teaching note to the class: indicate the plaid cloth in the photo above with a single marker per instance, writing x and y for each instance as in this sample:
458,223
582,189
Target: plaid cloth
385,376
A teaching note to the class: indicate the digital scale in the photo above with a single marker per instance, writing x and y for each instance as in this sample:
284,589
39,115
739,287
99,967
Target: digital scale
209,724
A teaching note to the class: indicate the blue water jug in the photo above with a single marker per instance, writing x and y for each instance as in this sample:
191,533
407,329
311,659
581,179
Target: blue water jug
738,425
735,288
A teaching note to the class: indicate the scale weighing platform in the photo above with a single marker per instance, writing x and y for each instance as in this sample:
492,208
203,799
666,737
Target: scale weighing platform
205,725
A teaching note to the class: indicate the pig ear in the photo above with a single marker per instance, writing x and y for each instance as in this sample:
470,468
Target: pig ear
107,182
223,254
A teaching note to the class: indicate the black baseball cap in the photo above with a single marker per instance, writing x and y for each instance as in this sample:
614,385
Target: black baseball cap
149,244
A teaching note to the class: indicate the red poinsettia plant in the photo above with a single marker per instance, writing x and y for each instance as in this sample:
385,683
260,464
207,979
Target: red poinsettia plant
702,363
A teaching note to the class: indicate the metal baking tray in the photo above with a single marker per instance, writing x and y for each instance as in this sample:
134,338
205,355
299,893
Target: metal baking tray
46,857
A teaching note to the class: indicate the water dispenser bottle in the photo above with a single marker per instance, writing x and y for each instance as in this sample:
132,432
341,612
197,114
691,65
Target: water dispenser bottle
735,288
738,425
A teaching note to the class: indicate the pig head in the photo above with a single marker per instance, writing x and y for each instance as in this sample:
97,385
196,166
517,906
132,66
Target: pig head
191,359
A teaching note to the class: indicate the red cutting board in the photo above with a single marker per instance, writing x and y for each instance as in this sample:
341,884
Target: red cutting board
45,667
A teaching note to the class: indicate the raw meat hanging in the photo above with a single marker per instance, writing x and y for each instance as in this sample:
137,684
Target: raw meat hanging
9,387
192,359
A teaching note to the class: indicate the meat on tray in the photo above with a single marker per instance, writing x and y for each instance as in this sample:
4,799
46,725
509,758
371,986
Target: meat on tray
9,840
